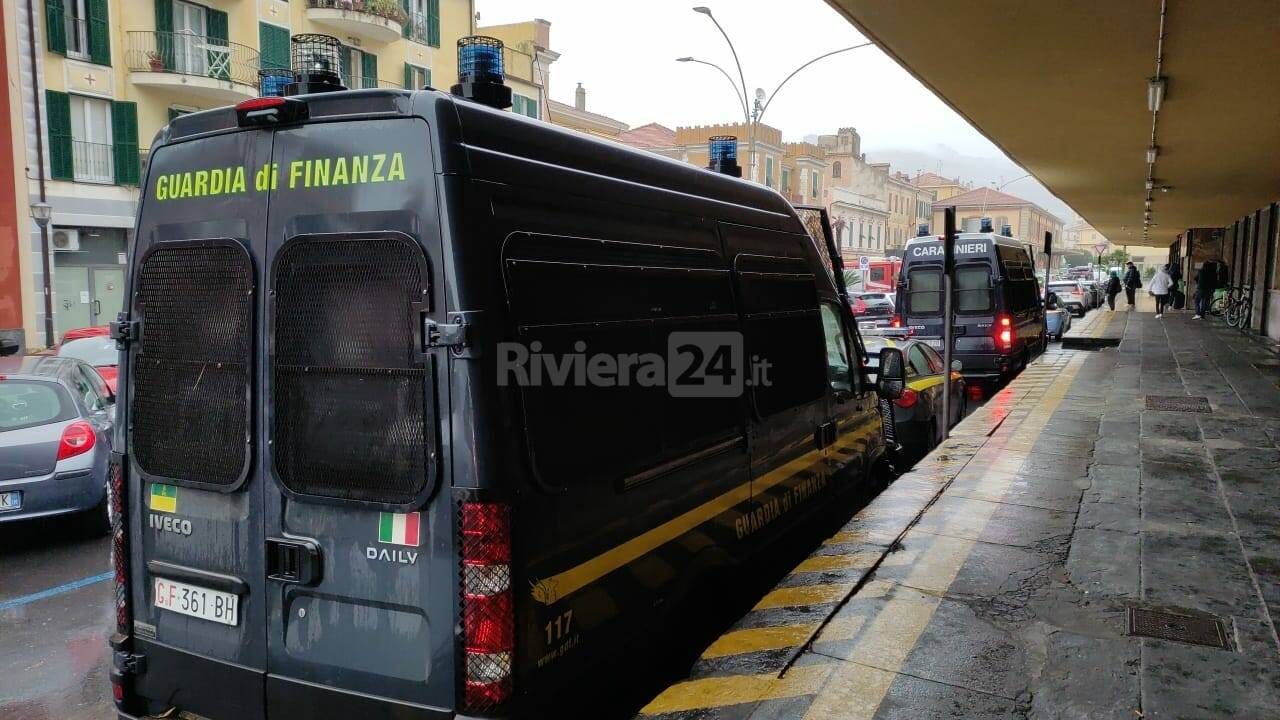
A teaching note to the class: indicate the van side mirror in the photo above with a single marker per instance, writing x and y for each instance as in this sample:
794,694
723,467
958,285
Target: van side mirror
892,375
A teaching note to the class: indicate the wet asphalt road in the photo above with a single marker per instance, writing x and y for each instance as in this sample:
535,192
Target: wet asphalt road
54,659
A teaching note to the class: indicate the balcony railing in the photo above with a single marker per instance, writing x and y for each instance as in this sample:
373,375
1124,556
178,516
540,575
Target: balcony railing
195,55
92,162
417,26
388,9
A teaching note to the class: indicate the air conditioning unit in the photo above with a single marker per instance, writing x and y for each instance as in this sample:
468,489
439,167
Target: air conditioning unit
65,240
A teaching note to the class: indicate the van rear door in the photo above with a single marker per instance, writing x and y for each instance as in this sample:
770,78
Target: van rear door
360,579
189,405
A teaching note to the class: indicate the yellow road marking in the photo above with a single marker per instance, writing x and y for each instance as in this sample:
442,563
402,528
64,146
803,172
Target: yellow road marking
824,563
803,595
737,689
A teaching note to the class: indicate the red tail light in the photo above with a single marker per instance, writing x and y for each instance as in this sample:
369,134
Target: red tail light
488,610
975,393
908,399
78,438
1006,333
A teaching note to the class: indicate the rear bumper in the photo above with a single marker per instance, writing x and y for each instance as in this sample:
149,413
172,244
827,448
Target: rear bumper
57,494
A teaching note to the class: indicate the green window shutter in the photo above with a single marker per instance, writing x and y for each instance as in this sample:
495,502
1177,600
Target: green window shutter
369,69
273,44
426,77
99,33
517,104
531,107
124,141
433,23
408,77
55,26
407,30
58,107
216,26
164,32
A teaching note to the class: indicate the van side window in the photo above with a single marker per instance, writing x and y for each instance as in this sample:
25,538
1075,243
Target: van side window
924,291
838,374
973,289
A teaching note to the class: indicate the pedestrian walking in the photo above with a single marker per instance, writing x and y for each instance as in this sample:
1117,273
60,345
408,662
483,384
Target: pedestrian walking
1132,281
1161,284
1177,298
1113,289
1206,286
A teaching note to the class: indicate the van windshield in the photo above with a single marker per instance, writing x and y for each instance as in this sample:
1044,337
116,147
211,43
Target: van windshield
924,292
973,289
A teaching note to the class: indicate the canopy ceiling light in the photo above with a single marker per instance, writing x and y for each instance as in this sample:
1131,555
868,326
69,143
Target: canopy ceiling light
1152,152
1150,183
1155,93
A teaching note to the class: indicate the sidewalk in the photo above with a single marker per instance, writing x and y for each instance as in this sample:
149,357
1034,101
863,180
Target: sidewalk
1012,573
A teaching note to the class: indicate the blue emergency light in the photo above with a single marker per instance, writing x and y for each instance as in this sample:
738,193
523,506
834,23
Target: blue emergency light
922,230
723,155
986,225
480,72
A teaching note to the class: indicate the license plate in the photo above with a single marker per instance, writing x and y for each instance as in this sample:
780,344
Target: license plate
11,501
935,344
198,602
868,325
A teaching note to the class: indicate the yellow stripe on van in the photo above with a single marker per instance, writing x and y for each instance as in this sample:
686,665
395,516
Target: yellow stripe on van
551,589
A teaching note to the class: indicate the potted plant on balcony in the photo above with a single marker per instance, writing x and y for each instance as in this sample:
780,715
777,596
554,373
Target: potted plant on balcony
389,9
155,61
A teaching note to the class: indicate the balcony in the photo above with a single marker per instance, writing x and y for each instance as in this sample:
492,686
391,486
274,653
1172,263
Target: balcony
420,30
198,65
92,162
380,21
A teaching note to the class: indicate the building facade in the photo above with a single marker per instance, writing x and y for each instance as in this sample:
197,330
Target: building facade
1027,221
943,188
1082,237
104,76
577,117
908,206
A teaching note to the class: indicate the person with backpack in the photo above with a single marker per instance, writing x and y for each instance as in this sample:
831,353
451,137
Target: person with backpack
1113,289
1177,298
1132,281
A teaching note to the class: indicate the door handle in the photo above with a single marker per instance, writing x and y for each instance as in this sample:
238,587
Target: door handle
825,434
296,561
97,308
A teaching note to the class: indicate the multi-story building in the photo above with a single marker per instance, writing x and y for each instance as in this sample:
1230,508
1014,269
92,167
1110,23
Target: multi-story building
858,195
943,188
909,207
105,75
1028,221
1082,237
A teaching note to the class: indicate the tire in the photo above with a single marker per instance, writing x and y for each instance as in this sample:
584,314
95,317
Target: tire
1217,307
96,522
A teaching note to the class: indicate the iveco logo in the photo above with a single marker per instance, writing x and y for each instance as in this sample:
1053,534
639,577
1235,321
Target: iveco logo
168,523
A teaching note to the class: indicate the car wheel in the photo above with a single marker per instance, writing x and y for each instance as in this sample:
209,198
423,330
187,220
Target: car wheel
96,521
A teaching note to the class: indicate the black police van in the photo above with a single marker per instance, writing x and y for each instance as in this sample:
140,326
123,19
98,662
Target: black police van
998,315
335,495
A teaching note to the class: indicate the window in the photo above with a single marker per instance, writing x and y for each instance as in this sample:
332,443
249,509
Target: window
838,375
77,29
973,289
415,77
91,150
815,184
924,291
917,364
26,403
935,360
786,180
522,105
768,171
835,169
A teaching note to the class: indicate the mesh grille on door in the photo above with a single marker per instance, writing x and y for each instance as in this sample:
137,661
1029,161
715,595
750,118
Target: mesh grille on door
349,387
190,383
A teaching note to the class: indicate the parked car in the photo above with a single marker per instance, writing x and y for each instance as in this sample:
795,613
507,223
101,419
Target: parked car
917,415
97,350
1057,319
56,416
86,332
1097,292
858,307
878,304
1072,295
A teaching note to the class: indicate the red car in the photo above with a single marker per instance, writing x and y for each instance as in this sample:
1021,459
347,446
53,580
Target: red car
94,346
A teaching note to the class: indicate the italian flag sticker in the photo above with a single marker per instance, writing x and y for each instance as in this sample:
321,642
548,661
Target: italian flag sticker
398,528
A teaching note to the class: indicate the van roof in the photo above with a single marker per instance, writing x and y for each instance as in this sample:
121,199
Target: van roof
474,139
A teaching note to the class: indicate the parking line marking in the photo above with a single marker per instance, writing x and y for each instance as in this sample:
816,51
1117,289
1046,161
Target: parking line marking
54,591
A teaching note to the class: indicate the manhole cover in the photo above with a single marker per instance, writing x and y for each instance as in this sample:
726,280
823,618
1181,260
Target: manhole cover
1195,629
1179,403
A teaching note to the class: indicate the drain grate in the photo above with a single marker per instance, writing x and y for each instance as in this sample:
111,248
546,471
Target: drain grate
1207,630
1088,343
1179,403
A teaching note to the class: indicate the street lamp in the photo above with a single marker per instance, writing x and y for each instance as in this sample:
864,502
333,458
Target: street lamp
42,213
736,92
761,101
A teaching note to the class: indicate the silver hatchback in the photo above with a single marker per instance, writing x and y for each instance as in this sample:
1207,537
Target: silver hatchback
56,416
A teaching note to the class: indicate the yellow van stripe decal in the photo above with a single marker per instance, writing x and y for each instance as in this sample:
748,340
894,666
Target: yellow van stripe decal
578,577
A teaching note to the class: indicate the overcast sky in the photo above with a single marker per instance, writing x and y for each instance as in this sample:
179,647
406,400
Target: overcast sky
624,54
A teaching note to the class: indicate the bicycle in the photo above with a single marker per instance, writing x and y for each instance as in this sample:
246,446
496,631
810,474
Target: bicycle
1218,306
1241,307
